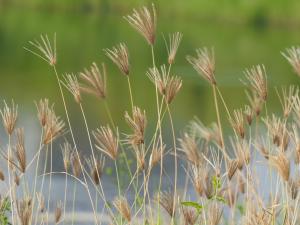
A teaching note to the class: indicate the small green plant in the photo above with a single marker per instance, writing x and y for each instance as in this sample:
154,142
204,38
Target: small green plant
4,211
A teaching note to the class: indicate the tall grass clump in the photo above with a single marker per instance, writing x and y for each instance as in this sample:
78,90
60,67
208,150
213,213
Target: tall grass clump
249,175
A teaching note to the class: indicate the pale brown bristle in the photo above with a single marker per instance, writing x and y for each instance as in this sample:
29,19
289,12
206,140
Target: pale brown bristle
58,212
123,208
293,57
44,49
282,164
233,165
67,149
156,154
237,122
76,164
72,84
138,123
167,201
119,55
287,99
24,210
214,214
95,81
204,64
9,117
190,215
172,46
107,142
96,166
248,114
20,149
43,109
144,22
189,147
2,177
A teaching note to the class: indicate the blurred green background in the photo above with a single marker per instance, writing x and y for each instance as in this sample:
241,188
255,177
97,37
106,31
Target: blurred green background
242,32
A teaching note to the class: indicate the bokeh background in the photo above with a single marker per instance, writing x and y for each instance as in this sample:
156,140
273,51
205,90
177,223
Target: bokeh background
242,32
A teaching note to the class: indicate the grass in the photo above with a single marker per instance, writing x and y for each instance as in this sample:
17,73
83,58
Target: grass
223,184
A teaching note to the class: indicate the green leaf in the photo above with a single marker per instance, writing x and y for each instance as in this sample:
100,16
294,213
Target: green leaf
195,205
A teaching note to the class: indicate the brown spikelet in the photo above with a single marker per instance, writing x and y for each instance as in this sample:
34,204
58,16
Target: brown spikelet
282,164
72,84
140,156
76,163
233,165
2,177
20,149
17,178
293,57
293,188
96,167
66,149
119,55
58,212
24,209
123,208
248,112
53,128
137,123
255,102
9,117
278,131
237,122
198,174
204,64
190,215
95,81
242,152
172,45
286,99
173,86
41,202
106,141
144,22
43,109
44,49
189,147
257,80
167,201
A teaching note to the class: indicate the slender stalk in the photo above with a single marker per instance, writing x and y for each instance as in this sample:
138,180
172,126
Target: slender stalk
74,199
9,179
218,115
50,182
130,92
65,197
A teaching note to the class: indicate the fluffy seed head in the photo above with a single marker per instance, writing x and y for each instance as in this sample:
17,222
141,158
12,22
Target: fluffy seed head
43,111
96,167
106,141
72,84
207,133
172,45
233,165
282,164
24,210
167,201
204,64
190,215
58,212
144,22
255,102
237,122
123,208
76,163
41,202
44,49
189,147
156,154
286,99
248,112
214,214
20,149
257,80
95,81
67,149
9,117
138,123
119,55
293,57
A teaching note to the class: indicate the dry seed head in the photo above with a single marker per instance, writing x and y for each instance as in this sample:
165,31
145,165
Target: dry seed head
156,154
95,81
54,127
20,149
204,64
2,177
255,102
144,22
173,86
9,117
207,133
282,164
293,188
293,57
159,78
58,212
286,99
189,147
198,174
72,84
167,201
233,165
248,112
66,149
140,157
119,55
123,208
106,141
237,122
96,166
296,139
41,202
172,45
242,151
17,179
44,49
137,123
257,79
43,111
190,215
24,210
76,163
278,131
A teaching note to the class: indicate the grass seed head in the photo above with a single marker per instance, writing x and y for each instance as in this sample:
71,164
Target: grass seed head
119,55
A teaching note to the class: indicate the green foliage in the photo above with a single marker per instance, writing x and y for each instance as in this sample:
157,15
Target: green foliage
4,210
194,205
